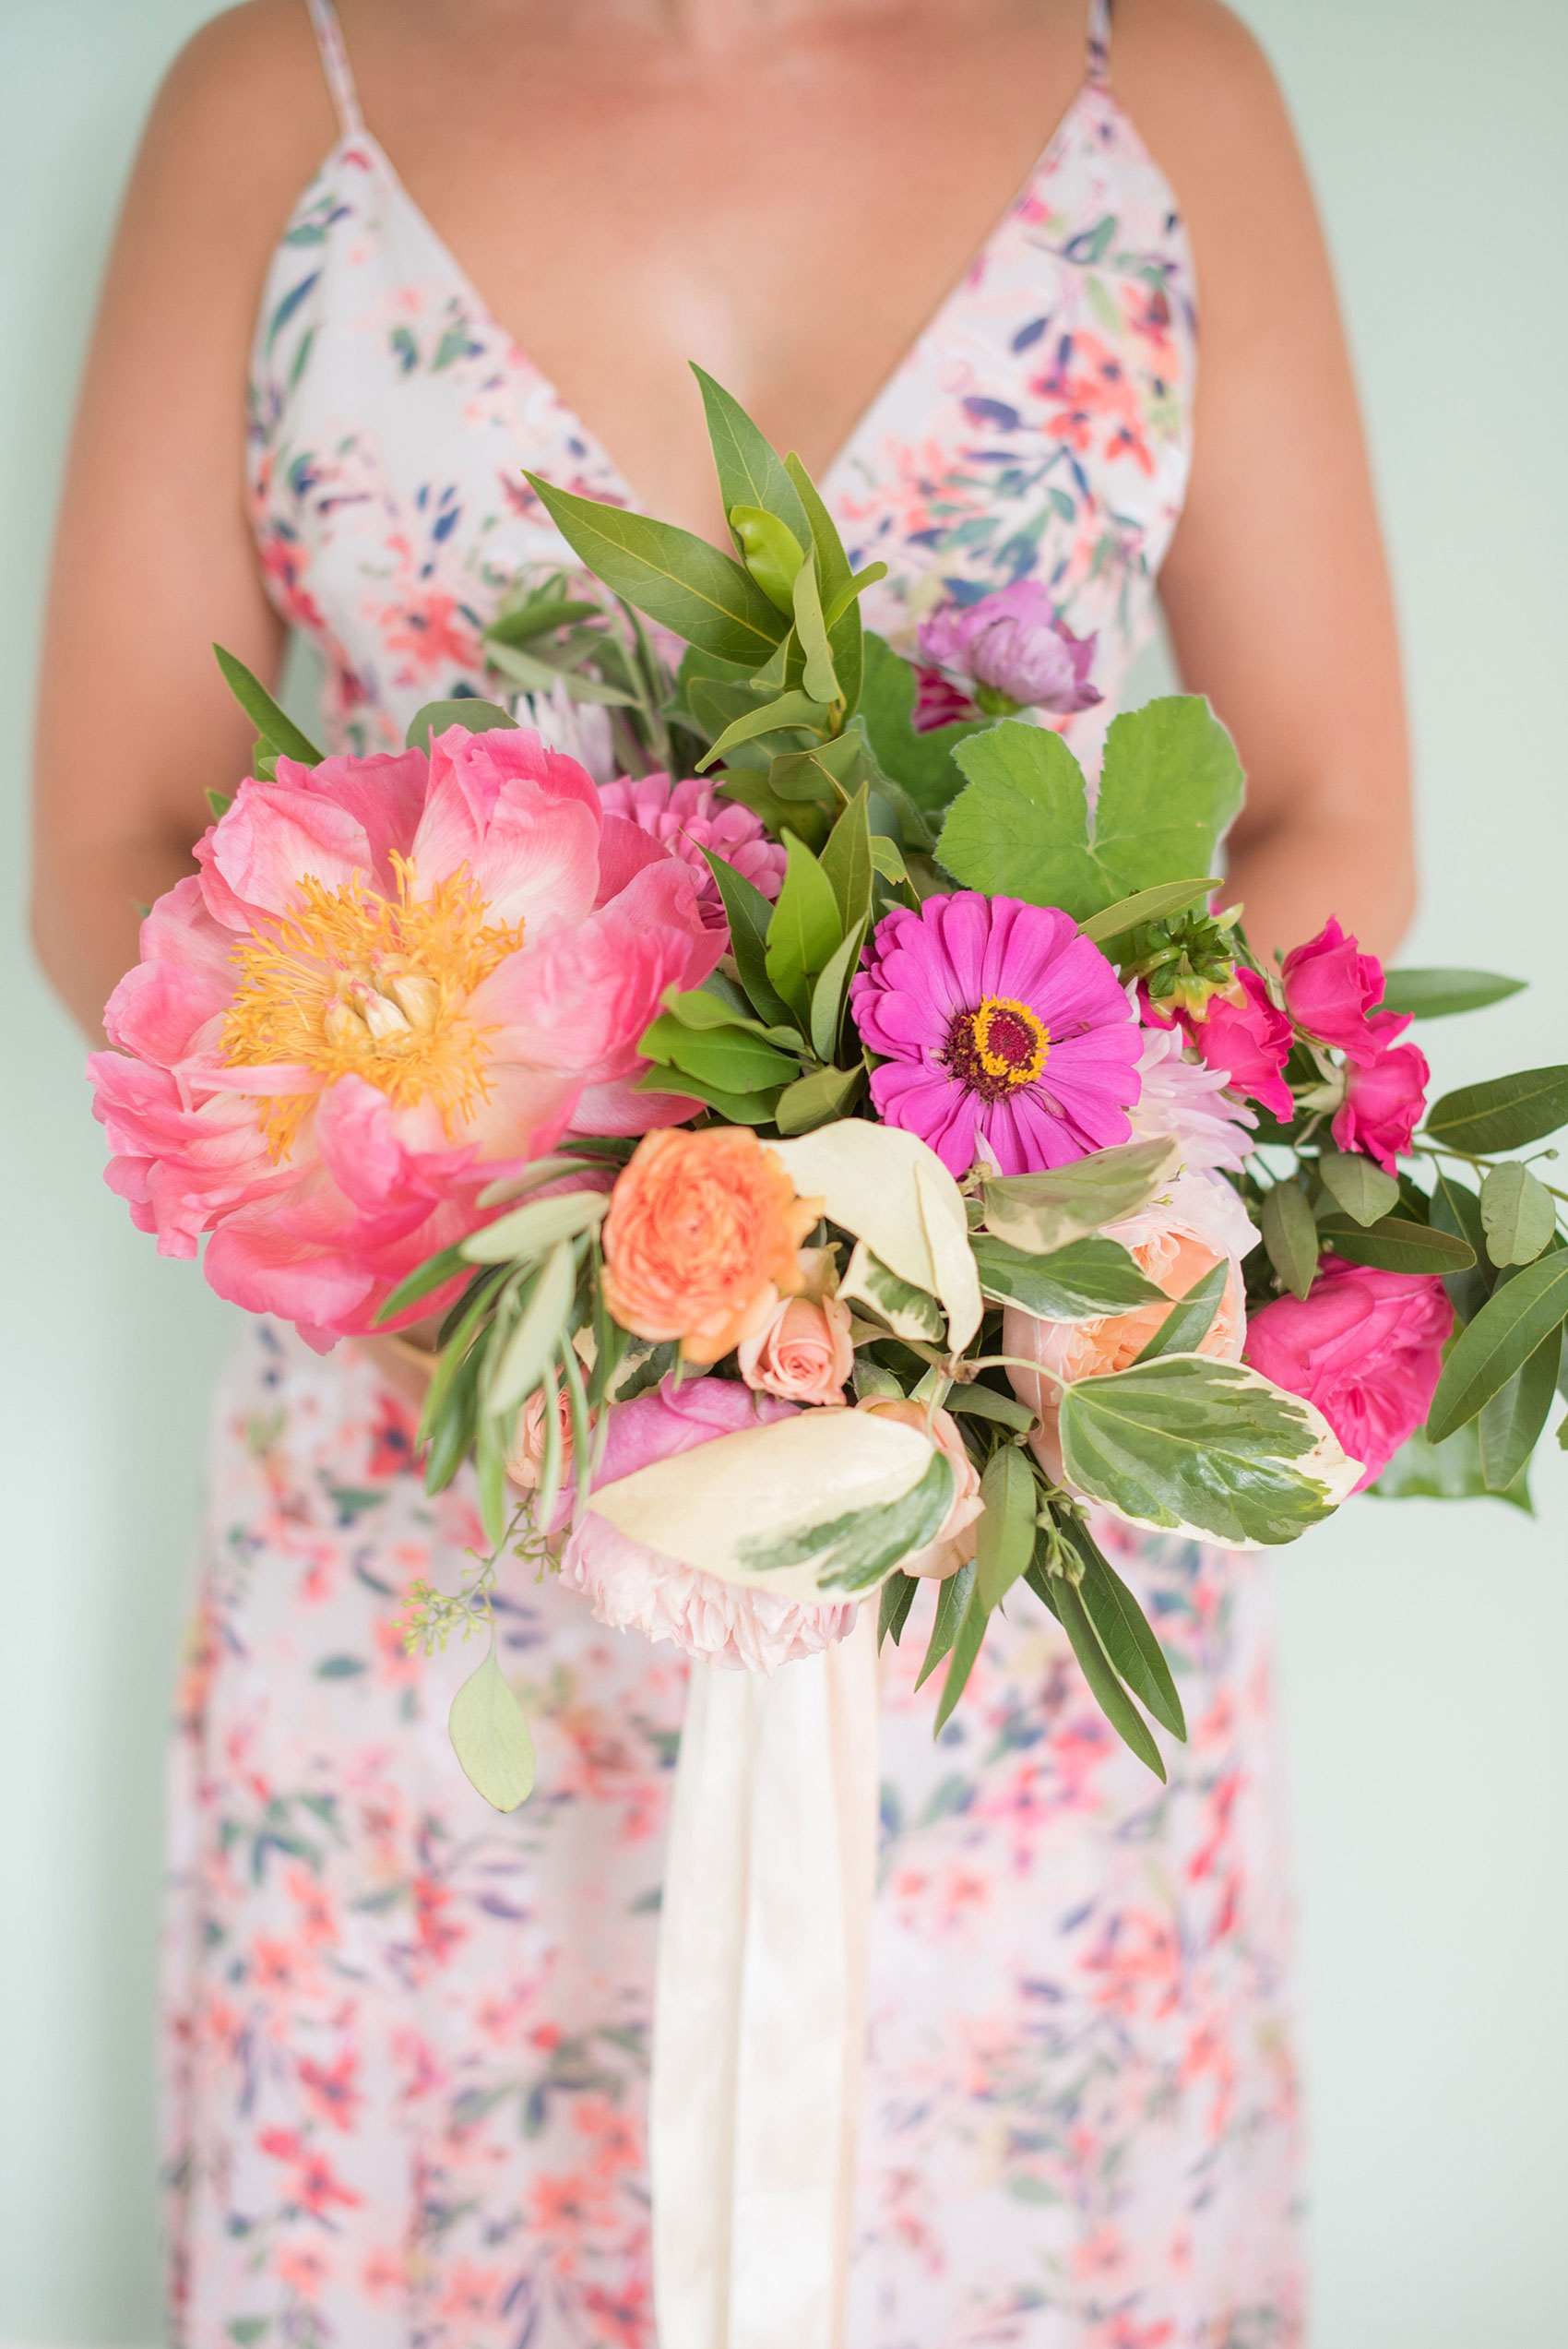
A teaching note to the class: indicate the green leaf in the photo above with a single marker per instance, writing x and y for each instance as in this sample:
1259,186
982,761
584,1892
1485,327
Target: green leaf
857,1549
728,1057
751,472
772,554
922,762
789,709
432,1275
542,614
847,861
540,1224
1519,1317
1434,994
1393,1244
805,929
898,1597
967,1646
1169,785
273,725
984,1403
1289,1234
748,914
1079,1283
812,629
736,1109
1104,1686
831,991
1205,1448
1038,1212
531,674
1447,1472
1147,905
834,583
1454,1208
1187,1324
220,803
1125,1632
1006,1537
1360,1185
479,717
531,1344
1502,1115
1518,1214
910,1313
1510,1424
953,1595
677,579
815,1100
490,1737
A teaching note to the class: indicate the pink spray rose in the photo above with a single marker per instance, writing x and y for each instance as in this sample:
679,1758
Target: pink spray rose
1384,1101
956,1539
688,817
630,1587
1365,1347
1013,646
393,980
1249,1040
1331,987
805,1351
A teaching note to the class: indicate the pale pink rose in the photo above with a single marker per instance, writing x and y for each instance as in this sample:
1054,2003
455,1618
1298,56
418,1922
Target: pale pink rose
1177,1238
633,1588
1365,1347
805,1353
525,1461
954,1543
394,980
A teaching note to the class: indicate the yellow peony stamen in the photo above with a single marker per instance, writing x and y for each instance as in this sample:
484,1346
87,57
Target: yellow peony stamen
356,984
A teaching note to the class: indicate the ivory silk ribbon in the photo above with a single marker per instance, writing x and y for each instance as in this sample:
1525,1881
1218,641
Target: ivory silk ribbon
759,2009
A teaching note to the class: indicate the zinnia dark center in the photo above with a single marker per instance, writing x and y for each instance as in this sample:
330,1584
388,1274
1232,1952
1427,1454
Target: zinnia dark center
997,1048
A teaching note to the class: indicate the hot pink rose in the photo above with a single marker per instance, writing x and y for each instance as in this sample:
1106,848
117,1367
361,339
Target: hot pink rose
956,1539
1366,1347
805,1351
1331,987
1384,1101
393,980
1251,1041
630,1587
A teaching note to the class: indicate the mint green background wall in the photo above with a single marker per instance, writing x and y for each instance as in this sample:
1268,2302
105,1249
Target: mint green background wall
1421,1649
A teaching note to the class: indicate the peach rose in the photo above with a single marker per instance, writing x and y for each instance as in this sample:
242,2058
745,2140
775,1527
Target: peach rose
1194,1225
525,1461
702,1239
953,1544
805,1352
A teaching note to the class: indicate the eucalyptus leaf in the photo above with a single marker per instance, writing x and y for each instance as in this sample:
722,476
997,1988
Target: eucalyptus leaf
1359,1184
434,1274
538,1332
1210,1448
1435,994
490,1737
272,723
1083,1281
1518,1214
1040,1212
540,1170
677,579
1502,1115
1291,1236
1005,1535
537,1226
1519,1317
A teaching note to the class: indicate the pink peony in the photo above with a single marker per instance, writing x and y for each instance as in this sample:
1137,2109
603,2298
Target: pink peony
394,980
958,1537
688,817
1331,987
1250,1041
632,1588
1365,1347
1384,1101
805,1351
1005,1032
1013,647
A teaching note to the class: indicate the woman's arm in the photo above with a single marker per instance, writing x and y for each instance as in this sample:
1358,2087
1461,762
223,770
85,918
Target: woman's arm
1276,587
154,557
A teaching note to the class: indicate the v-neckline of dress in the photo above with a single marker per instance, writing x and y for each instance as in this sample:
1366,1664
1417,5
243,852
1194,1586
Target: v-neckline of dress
520,363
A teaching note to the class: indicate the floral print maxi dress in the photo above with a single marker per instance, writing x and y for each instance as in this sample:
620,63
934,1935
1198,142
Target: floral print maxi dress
407,2037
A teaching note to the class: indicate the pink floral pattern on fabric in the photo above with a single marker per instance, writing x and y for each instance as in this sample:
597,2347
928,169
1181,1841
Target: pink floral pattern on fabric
407,2038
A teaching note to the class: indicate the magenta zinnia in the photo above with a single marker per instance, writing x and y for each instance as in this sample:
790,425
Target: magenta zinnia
1004,1031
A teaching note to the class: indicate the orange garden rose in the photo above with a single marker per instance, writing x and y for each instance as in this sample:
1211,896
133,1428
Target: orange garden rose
702,1239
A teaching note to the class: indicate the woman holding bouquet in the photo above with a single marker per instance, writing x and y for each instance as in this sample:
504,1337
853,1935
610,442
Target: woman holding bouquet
407,2039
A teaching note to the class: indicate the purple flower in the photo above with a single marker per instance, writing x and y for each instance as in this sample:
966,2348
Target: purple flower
1002,1026
1014,650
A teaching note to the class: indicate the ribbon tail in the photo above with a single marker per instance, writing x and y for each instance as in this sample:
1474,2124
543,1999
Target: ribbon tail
759,2015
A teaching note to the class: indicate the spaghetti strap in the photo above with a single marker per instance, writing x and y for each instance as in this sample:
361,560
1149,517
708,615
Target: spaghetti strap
335,65
1096,73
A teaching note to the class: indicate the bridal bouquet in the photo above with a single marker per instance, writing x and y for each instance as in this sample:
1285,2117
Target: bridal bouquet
838,1148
